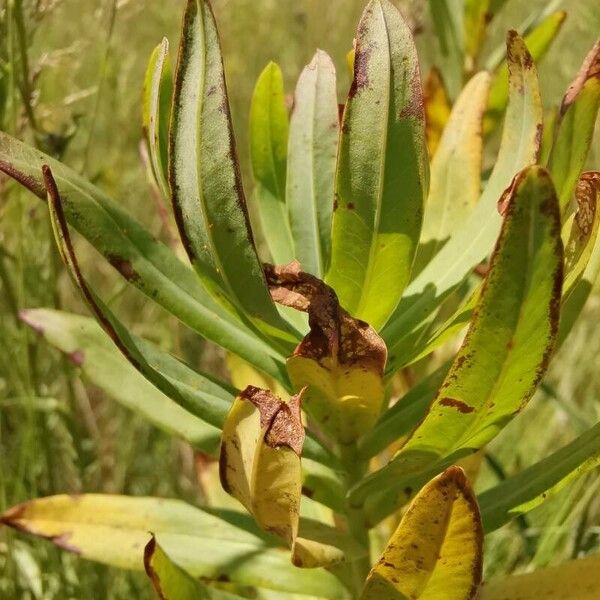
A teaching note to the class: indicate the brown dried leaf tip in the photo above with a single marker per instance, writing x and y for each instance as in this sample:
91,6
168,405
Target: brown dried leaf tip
334,335
281,420
590,69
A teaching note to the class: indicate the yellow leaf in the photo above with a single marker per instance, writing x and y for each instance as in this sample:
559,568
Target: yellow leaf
437,108
573,580
436,551
341,360
260,467
260,459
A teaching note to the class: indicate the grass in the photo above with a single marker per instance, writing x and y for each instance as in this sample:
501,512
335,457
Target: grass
71,82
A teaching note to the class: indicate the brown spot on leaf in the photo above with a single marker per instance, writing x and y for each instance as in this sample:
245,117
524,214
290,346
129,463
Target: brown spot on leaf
350,205
414,106
361,68
124,267
458,404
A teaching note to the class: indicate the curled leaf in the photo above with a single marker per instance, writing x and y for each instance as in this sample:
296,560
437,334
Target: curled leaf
158,89
436,552
341,359
260,466
260,459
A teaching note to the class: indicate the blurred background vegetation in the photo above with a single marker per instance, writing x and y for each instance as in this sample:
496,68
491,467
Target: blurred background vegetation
71,73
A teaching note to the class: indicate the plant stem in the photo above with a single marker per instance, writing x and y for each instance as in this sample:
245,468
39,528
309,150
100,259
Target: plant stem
355,469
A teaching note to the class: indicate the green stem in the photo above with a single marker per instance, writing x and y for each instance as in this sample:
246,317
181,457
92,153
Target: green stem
355,470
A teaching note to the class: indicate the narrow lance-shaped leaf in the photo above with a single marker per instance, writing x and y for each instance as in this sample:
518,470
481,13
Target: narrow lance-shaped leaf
382,175
508,345
399,420
455,170
341,359
314,132
171,582
260,466
92,350
436,552
209,409
143,261
476,17
573,580
268,153
532,486
472,243
579,235
158,91
208,199
114,530
437,108
575,127
538,42
448,23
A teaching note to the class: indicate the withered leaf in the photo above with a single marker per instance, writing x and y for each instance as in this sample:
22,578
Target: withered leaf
341,359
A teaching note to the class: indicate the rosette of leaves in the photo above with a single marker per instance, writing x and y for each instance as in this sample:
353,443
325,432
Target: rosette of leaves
381,229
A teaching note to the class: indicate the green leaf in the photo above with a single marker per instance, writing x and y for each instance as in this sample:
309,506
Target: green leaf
538,42
136,351
437,547
171,582
208,199
156,113
114,530
399,420
532,486
472,242
448,23
268,153
142,260
87,346
314,131
575,127
455,170
573,580
166,373
508,345
382,175
476,16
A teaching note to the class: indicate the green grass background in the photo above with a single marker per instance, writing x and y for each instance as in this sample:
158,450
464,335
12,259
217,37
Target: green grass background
86,59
